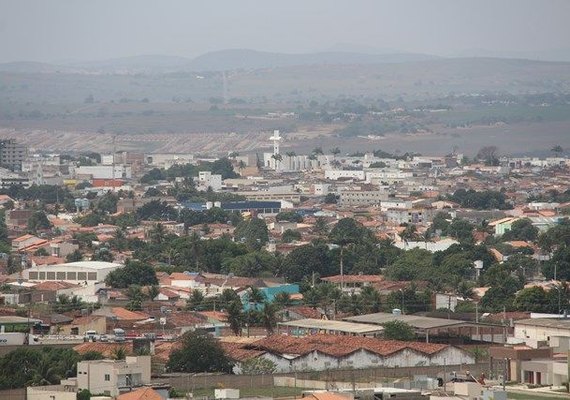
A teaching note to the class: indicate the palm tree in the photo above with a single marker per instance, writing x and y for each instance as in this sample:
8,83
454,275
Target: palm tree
335,151
290,154
170,253
318,150
282,300
278,158
235,316
119,241
269,317
241,165
44,373
370,299
120,353
152,291
557,149
157,234
255,295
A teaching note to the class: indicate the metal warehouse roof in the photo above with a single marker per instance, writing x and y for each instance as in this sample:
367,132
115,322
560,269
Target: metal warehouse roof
559,323
339,326
81,264
14,319
417,321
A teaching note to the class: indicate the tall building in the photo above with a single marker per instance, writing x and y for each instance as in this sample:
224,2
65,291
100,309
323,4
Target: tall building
12,154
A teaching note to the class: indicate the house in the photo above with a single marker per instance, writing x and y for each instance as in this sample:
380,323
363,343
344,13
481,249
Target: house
503,225
353,282
535,330
113,377
25,241
192,280
300,312
18,218
80,325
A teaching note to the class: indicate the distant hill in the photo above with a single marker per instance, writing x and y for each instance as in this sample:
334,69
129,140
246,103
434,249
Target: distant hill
214,61
142,63
252,59
33,67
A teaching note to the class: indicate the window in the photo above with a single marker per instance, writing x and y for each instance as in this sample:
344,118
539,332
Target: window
72,276
60,276
42,276
107,377
92,276
51,276
33,275
82,276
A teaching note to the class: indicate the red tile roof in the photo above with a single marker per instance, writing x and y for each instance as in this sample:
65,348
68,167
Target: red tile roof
239,352
107,349
141,394
339,346
124,314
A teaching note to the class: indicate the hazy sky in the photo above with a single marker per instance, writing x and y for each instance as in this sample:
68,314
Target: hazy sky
57,30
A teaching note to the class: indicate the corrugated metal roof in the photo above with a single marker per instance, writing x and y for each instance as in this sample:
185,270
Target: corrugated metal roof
416,321
339,326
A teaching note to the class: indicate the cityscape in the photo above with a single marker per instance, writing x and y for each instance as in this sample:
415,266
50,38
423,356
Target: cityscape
341,224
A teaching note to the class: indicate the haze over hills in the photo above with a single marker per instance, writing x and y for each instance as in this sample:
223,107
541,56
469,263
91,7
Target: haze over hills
230,59
234,59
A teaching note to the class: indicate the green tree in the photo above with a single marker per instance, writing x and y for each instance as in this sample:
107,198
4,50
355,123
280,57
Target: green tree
291,236
461,230
74,256
290,216
253,233
136,297
269,317
38,221
346,232
258,366
331,198
399,330
559,263
235,316
133,273
307,259
522,229
489,155
533,299
200,352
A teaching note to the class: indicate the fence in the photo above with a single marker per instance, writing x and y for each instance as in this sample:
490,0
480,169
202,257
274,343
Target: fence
13,394
190,382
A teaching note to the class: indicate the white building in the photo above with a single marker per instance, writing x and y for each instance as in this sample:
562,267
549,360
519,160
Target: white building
105,171
440,245
323,352
113,377
541,329
208,180
390,176
362,197
82,272
335,174
166,160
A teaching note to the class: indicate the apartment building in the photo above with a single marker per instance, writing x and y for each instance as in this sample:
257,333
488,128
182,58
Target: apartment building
12,154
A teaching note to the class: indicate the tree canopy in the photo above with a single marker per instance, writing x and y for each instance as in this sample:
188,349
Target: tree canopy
200,352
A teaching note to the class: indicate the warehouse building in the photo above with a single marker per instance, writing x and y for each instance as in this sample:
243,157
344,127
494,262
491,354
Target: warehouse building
82,272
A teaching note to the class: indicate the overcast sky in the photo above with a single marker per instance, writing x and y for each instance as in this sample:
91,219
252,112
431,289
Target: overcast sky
58,30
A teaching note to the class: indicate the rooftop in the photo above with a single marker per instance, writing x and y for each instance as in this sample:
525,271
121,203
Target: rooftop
339,326
418,322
